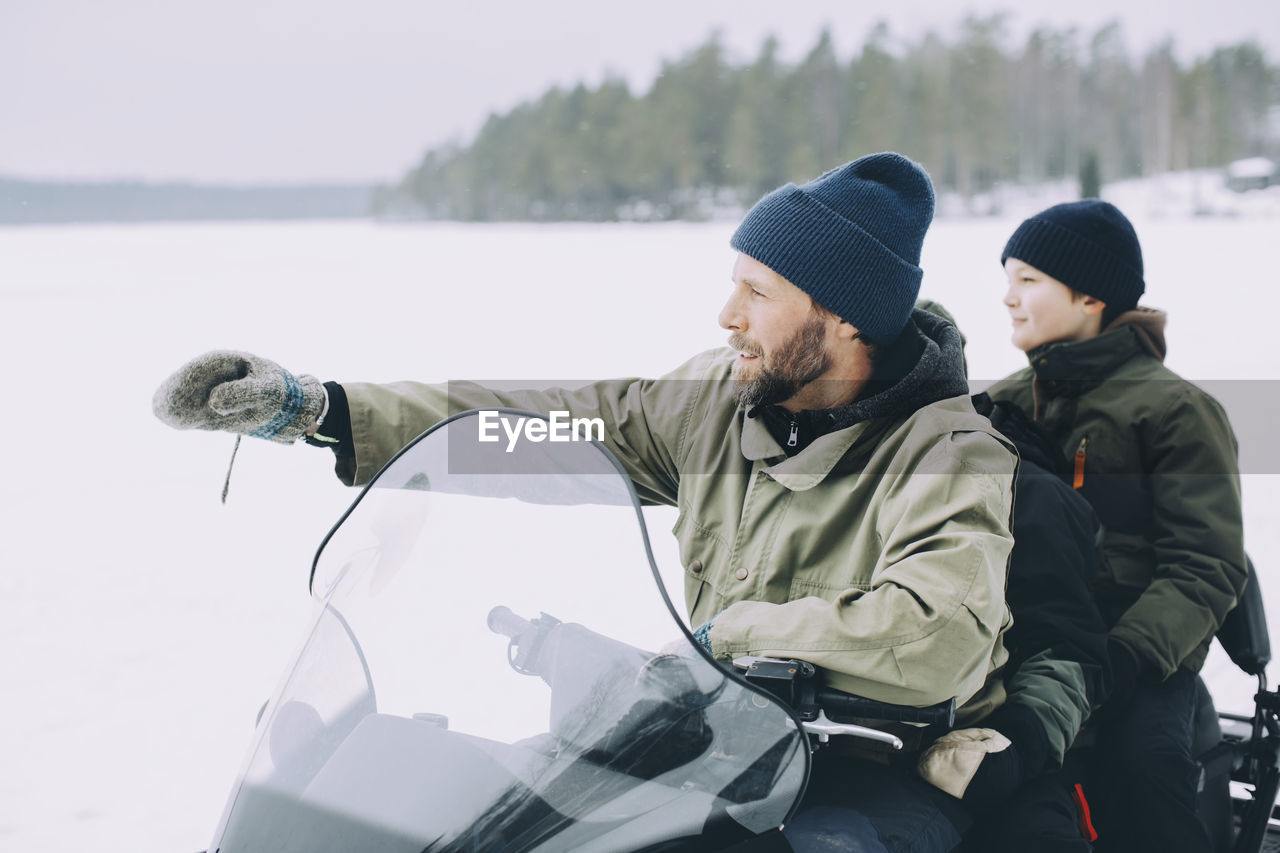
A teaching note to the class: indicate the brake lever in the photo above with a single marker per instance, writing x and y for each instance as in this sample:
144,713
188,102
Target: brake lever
824,728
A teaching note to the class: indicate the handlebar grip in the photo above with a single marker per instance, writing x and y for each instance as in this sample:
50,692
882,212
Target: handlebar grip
846,704
502,620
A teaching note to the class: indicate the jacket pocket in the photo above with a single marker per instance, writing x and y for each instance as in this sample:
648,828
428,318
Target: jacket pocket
808,588
697,550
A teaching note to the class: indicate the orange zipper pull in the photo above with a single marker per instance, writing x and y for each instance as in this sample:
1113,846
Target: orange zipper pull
1077,479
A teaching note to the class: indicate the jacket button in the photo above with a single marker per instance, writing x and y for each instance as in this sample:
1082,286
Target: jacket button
1044,362
695,566
740,574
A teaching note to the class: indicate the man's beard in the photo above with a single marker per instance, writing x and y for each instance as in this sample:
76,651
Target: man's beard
799,361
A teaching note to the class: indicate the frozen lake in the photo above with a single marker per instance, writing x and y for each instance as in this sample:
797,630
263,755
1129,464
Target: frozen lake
144,623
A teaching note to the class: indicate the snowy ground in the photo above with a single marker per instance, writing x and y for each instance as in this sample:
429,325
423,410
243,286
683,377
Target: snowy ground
143,623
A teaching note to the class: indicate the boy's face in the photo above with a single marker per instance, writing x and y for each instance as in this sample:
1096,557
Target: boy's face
1044,310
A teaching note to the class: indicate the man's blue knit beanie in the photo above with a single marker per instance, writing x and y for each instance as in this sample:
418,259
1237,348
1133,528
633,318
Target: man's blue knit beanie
1087,245
850,239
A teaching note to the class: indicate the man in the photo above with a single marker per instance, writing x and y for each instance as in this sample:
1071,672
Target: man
840,500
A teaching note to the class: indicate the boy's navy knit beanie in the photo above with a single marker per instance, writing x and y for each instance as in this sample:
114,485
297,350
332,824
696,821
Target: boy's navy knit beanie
1087,245
850,239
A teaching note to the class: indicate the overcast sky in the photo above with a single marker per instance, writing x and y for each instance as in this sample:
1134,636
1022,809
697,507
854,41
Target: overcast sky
299,90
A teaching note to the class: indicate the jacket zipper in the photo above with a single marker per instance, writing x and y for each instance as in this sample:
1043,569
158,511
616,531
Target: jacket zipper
794,438
1077,479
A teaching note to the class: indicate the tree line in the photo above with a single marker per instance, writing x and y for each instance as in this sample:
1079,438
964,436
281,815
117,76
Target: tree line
710,134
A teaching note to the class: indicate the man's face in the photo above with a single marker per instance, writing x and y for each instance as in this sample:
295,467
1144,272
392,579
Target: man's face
1045,310
781,339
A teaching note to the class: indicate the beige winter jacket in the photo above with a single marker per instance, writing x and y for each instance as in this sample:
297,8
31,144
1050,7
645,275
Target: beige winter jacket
878,553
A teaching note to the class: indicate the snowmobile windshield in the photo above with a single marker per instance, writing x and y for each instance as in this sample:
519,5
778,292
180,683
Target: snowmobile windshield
495,665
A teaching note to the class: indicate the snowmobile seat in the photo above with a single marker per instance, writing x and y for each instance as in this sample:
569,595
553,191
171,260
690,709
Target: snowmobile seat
1243,749
1243,634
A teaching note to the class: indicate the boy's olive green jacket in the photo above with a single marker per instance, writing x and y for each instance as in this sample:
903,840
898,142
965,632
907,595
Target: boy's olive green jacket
1156,457
878,553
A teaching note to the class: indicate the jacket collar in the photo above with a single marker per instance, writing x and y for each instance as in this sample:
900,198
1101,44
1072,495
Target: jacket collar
1148,324
1085,363
807,468
925,364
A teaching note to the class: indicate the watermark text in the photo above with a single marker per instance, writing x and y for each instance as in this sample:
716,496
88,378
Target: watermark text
558,426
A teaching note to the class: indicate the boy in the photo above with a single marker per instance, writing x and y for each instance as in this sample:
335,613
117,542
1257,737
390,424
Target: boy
1156,457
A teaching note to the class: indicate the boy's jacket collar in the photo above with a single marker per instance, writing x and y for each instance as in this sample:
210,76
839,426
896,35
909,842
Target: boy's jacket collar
1084,363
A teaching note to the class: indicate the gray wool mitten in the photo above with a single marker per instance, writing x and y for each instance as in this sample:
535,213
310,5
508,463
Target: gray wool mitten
242,393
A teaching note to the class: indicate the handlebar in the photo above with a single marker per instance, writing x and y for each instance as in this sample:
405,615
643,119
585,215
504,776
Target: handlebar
793,681
849,705
797,683
526,636
503,620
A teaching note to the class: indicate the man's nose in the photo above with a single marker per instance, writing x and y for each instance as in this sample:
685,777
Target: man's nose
731,318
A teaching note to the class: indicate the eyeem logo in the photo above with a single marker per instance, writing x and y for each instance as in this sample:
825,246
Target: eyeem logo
558,427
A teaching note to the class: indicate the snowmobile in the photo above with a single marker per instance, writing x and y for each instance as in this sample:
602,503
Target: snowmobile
496,664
